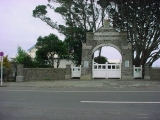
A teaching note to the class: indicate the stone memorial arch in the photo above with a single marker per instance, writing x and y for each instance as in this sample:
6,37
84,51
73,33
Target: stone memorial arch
106,36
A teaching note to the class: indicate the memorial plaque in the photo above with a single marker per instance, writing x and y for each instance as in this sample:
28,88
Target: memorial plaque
126,63
86,64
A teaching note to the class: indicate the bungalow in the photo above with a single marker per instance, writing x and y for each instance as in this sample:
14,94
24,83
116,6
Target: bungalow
63,62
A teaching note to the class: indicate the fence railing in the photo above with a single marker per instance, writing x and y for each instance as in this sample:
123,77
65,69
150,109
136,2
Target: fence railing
76,71
137,72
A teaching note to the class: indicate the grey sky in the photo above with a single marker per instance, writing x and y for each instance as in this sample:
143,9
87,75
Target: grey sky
18,27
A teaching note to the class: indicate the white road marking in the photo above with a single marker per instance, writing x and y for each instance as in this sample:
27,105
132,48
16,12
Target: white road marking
142,116
83,91
119,102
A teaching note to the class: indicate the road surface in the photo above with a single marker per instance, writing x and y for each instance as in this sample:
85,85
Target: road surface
79,104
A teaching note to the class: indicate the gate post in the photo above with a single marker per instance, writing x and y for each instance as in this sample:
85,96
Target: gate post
86,64
19,77
127,64
146,74
106,70
68,72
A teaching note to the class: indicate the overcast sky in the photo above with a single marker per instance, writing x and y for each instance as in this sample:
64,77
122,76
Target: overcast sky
19,28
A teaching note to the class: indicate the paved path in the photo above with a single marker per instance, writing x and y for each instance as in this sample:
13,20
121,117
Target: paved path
109,83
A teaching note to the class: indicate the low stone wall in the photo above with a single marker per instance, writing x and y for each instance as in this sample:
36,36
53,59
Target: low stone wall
36,74
155,73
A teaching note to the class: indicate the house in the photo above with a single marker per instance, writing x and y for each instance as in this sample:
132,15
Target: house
63,62
32,51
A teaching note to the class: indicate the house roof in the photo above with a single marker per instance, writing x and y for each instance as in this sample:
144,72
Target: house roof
31,48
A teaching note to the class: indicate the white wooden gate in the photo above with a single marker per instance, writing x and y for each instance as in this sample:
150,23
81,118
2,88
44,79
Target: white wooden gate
106,70
76,71
137,71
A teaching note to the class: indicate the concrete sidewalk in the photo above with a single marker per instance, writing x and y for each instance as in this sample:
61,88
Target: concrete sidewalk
109,83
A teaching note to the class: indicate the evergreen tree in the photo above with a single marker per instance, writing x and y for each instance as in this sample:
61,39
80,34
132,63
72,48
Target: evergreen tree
79,17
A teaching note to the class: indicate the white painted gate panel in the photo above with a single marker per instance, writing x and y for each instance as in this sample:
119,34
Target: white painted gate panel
113,70
75,71
99,71
137,71
106,70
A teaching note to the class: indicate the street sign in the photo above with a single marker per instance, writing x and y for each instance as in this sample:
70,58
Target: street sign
1,53
1,60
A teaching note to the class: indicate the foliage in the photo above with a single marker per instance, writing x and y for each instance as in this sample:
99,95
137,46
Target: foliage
6,62
48,48
100,59
74,45
141,20
7,70
23,58
79,17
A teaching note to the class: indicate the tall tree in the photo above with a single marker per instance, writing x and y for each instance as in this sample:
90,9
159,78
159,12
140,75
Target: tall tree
74,44
141,20
81,15
50,50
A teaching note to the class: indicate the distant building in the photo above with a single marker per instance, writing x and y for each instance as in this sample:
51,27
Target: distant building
32,51
63,62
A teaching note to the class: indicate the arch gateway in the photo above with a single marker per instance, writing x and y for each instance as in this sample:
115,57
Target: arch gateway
106,36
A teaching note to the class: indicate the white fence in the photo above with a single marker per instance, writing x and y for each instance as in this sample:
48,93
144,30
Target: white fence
137,71
106,70
75,71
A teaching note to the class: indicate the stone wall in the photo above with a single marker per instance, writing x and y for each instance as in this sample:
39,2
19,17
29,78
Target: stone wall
154,73
37,74
19,77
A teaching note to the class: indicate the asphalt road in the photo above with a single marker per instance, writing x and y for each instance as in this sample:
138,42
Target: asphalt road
79,104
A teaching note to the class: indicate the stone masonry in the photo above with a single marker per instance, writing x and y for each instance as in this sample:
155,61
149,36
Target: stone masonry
107,36
19,77
38,74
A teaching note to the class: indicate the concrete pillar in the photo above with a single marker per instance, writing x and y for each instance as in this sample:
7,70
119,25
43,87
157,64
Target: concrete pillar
19,77
86,64
68,72
146,74
127,64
